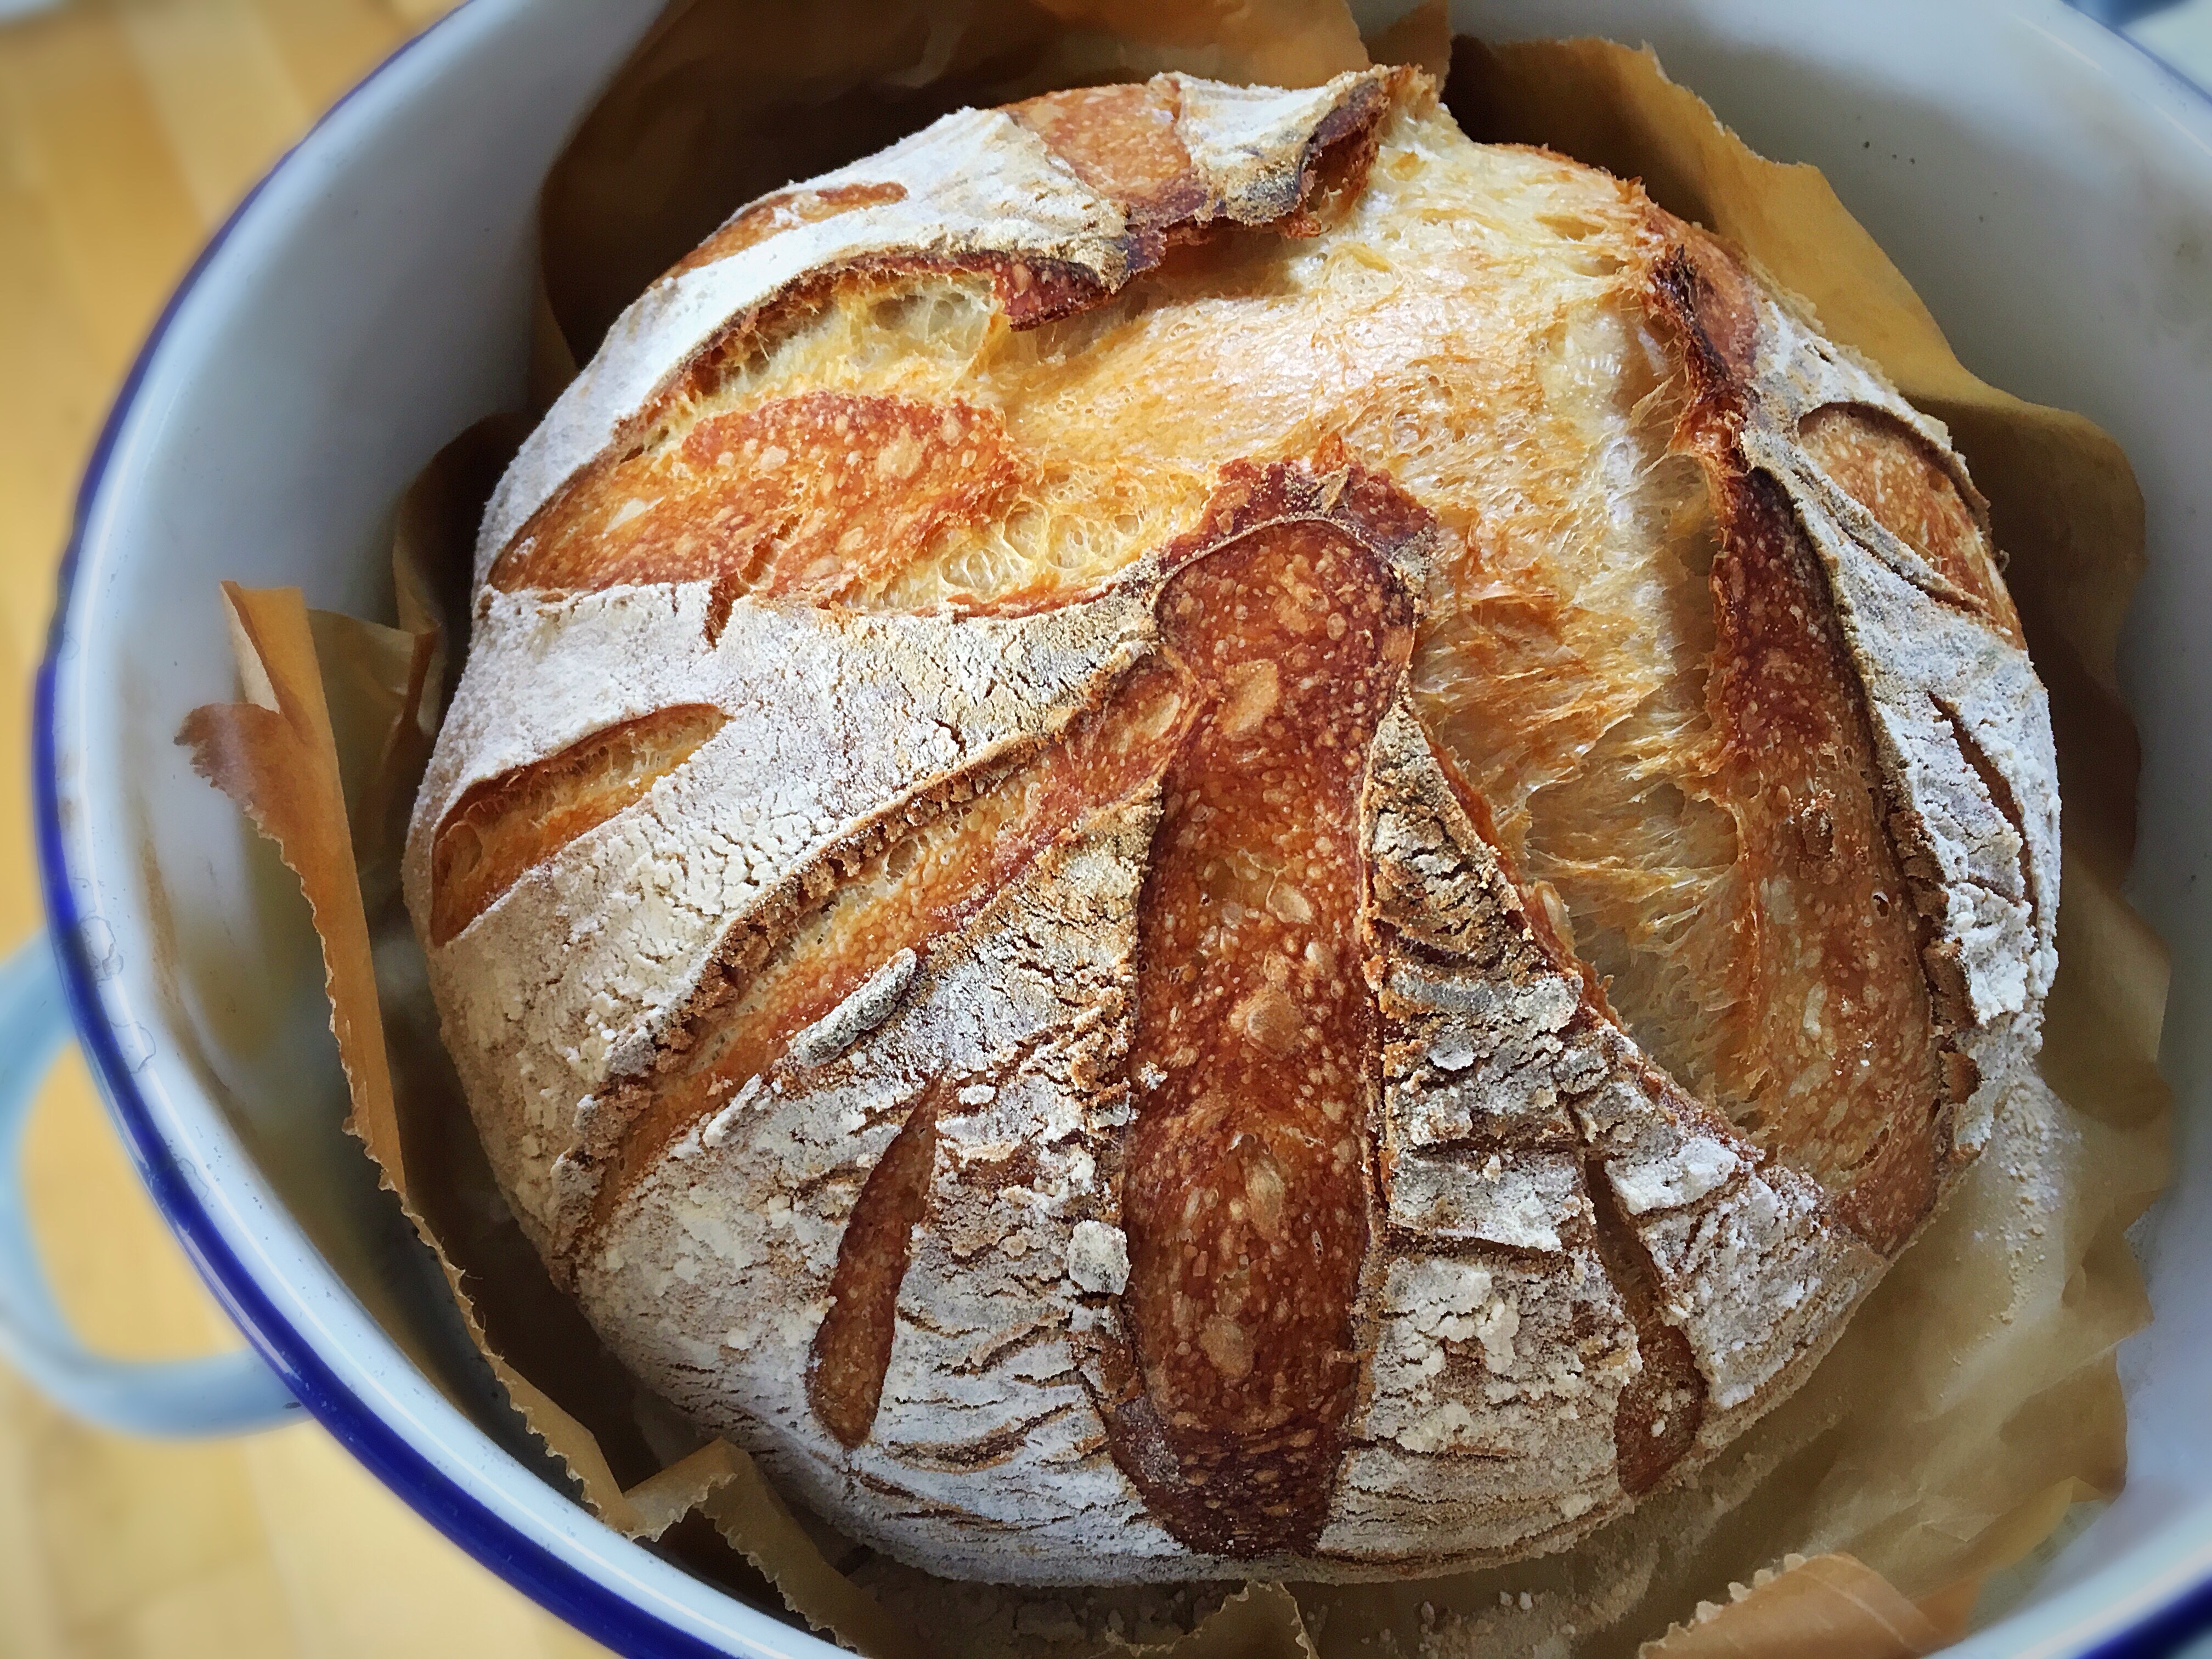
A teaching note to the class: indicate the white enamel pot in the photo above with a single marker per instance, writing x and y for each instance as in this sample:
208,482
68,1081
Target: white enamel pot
2047,188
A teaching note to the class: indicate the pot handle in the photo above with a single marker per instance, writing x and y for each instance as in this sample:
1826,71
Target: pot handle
223,1394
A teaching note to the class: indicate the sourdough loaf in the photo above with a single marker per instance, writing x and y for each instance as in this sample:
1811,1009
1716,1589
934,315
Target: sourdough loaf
1194,832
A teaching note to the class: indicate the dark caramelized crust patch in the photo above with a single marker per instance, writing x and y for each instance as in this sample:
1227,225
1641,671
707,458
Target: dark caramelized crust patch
852,1347
817,497
1840,1059
1246,1187
502,827
1655,1420
1889,470
1702,292
1834,1060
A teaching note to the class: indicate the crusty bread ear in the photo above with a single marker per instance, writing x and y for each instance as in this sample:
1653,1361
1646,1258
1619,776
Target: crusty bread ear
503,826
1904,482
1192,832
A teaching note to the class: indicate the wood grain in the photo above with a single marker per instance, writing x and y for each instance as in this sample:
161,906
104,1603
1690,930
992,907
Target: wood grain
128,128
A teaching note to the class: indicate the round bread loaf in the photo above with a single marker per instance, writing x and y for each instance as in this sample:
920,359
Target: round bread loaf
1194,832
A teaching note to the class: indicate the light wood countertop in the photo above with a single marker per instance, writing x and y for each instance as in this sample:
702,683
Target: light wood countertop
127,130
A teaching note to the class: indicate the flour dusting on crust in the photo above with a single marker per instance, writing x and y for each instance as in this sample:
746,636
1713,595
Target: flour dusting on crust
1676,669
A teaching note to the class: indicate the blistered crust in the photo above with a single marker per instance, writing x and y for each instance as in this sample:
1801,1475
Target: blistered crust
831,1066
979,190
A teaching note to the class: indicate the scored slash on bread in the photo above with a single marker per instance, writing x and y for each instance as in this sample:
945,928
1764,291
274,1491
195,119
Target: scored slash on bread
1192,832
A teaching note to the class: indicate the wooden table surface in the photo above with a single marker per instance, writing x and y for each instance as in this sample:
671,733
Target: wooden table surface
128,128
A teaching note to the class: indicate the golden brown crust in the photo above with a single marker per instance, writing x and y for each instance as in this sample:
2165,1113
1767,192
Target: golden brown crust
1246,1188
504,826
1122,142
1853,1089
852,1347
1892,471
817,497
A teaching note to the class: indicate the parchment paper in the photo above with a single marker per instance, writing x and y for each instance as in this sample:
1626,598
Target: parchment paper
1972,1401
1829,1607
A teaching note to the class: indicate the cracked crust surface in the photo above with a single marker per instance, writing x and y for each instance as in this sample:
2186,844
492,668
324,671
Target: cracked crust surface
1194,833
